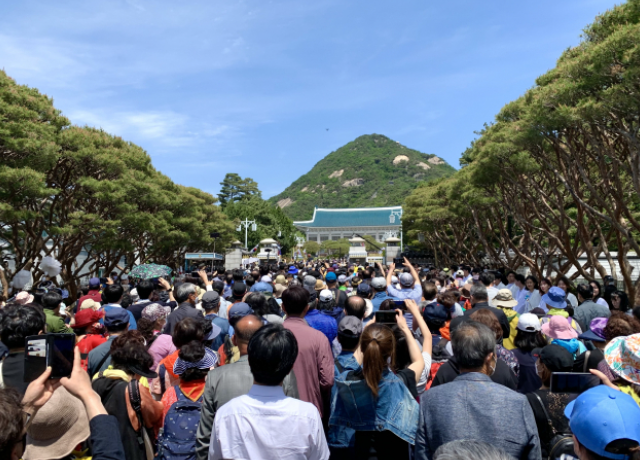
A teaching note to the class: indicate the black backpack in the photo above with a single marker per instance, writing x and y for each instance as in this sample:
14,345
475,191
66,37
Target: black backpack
561,443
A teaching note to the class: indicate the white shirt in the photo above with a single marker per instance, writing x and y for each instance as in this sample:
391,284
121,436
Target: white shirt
265,424
491,293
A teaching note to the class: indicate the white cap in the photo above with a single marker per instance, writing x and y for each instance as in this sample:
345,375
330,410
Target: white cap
528,322
326,295
342,279
266,279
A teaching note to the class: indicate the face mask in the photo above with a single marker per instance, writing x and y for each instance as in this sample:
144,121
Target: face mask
476,277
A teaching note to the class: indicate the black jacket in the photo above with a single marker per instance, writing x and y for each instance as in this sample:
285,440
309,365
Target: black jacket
185,310
449,371
502,318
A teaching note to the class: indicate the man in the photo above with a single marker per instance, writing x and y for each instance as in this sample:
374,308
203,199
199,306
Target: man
342,282
409,282
55,324
487,279
314,365
94,292
479,300
379,285
588,309
211,306
467,278
144,290
264,423
111,298
355,306
497,282
264,285
605,424
18,322
511,284
472,406
339,295
230,381
238,291
186,296
218,286
116,321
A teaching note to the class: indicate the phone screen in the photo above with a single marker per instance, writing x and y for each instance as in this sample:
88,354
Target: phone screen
386,317
400,304
572,382
61,355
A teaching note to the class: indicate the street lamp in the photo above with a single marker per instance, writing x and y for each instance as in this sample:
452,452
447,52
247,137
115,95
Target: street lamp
245,223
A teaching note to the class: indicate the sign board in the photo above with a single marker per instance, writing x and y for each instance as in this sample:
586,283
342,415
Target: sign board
203,256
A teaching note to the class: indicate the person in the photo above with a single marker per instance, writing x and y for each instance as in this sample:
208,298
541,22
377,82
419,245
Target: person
529,297
605,424
479,299
511,283
182,403
17,322
139,416
211,306
152,321
314,365
339,295
563,283
51,302
598,294
89,332
504,301
591,358
403,349
528,338
559,332
409,283
487,279
111,299
466,449
187,297
265,423
327,306
556,301
379,405
93,291
355,306
116,322
47,413
622,355
548,407
472,406
321,322
487,318
545,285
588,309
230,381
144,289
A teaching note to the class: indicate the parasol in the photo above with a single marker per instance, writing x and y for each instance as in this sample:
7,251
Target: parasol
149,271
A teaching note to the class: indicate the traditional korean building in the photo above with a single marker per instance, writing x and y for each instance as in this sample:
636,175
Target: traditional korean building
334,224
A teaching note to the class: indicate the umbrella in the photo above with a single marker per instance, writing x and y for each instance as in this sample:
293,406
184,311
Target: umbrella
149,271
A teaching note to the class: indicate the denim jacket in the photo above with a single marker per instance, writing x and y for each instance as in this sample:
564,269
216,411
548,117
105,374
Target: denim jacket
342,436
354,406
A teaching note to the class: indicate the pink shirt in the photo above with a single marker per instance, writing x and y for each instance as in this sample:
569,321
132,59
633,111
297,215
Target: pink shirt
314,364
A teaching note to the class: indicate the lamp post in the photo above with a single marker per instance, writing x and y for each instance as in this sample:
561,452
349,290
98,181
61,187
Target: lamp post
246,224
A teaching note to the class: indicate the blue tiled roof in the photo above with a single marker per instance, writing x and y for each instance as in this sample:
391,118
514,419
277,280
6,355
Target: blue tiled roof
357,217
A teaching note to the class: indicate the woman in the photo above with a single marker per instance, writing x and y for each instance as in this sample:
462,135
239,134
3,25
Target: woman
528,338
182,402
556,302
563,283
622,356
529,297
89,332
488,318
597,291
545,285
377,395
264,308
151,323
559,332
552,358
620,302
121,392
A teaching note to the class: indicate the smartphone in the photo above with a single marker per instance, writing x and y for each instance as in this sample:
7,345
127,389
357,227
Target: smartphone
42,351
400,304
572,382
386,317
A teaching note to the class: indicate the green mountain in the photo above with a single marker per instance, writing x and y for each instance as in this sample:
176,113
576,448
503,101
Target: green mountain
372,170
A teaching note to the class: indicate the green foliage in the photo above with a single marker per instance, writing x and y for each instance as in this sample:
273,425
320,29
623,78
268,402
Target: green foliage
311,247
336,248
234,188
369,158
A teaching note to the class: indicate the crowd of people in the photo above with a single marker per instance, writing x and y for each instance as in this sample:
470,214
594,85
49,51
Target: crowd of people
326,359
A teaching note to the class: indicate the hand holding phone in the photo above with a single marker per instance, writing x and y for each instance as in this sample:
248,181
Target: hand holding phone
385,317
48,350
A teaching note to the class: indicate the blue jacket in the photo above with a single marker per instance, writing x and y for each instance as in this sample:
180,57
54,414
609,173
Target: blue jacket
323,323
377,299
224,333
474,407
342,436
354,406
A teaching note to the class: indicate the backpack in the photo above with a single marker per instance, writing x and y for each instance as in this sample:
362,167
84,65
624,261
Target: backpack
178,438
561,444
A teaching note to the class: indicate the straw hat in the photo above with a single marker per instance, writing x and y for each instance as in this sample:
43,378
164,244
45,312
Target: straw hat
89,303
57,428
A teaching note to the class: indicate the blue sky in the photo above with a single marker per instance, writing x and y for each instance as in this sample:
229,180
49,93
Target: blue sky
210,87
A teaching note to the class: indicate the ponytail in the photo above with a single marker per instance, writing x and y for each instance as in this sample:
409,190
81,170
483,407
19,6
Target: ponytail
377,344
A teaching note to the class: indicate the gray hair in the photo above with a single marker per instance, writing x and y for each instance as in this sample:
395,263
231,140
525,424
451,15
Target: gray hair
183,291
479,291
469,449
472,342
